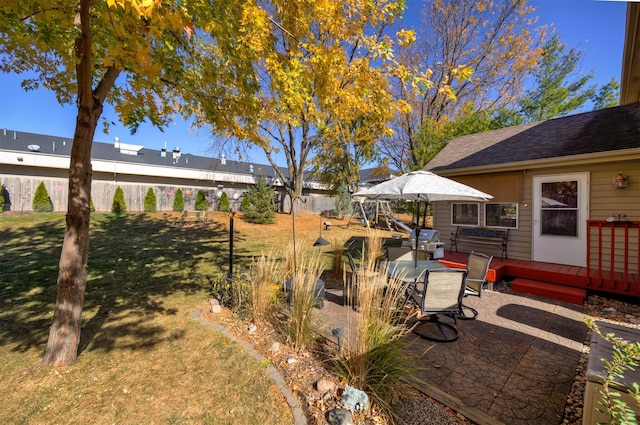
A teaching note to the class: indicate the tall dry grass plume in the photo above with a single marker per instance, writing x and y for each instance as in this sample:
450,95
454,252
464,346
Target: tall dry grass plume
301,324
337,252
374,360
265,282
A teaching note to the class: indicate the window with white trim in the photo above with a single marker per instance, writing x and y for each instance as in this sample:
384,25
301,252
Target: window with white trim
465,214
501,215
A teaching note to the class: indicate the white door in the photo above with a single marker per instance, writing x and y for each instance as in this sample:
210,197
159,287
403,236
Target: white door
560,211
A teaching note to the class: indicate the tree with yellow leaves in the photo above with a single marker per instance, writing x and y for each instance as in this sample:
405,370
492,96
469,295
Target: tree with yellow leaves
322,69
130,53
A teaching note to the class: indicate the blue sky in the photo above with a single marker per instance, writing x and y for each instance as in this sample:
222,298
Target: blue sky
595,27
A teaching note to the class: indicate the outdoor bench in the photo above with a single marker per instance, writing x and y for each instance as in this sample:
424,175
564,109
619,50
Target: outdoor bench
481,235
193,216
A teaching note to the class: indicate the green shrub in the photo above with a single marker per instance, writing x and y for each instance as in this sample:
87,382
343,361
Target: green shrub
343,201
41,199
201,201
2,189
261,207
118,206
92,207
150,201
178,201
223,204
245,204
232,293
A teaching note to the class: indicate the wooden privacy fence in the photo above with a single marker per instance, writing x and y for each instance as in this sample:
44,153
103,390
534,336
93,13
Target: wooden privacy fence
613,255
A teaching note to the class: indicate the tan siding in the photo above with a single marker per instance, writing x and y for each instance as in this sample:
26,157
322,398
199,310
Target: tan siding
604,200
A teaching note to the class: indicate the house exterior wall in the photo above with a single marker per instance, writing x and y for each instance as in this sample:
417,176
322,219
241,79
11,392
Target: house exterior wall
604,201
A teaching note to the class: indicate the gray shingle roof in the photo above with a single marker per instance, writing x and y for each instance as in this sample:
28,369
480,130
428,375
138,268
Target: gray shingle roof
586,133
55,145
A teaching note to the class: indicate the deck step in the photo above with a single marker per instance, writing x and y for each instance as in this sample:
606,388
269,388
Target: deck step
549,290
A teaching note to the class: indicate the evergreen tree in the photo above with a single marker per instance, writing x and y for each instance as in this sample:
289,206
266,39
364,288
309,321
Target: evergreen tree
41,199
1,198
178,201
261,207
608,95
223,204
201,201
118,206
245,204
150,203
343,201
556,92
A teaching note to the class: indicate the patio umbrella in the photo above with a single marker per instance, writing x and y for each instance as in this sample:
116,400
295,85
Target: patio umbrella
423,186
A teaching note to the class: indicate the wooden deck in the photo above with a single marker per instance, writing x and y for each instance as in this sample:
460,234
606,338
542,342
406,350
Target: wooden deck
557,274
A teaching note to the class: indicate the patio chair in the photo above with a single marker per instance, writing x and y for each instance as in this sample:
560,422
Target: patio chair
441,294
477,269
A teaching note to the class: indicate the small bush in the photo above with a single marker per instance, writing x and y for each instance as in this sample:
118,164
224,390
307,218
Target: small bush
92,207
118,206
223,204
2,189
201,201
245,204
232,293
150,204
178,201
41,199
261,208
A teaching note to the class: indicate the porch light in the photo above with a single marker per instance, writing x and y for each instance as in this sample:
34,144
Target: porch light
620,181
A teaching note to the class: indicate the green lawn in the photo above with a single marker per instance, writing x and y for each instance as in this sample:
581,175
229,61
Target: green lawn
142,358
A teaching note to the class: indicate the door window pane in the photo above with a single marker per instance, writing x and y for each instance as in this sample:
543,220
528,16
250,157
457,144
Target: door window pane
559,208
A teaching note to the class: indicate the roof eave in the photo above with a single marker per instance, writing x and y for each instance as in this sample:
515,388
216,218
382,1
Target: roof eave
619,155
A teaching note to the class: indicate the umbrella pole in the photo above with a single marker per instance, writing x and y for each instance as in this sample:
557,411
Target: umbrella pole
417,231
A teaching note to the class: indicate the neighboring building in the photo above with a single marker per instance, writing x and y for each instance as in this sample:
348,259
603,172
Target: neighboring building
26,159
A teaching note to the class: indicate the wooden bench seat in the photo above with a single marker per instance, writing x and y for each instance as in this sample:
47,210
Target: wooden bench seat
481,235
193,217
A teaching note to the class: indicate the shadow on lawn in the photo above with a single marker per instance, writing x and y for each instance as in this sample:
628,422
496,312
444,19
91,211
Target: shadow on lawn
136,264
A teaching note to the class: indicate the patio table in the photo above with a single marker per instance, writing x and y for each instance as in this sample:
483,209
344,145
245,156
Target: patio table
410,271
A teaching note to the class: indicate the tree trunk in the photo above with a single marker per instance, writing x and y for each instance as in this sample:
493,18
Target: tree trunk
64,334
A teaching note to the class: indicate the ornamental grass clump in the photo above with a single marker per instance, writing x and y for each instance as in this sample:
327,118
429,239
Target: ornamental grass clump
374,360
266,276
337,252
299,325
